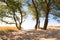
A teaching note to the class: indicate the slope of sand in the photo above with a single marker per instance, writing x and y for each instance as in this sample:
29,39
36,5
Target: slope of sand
49,34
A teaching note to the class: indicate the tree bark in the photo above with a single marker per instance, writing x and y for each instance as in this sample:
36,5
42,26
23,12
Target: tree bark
38,23
15,20
47,13
37,17
20,22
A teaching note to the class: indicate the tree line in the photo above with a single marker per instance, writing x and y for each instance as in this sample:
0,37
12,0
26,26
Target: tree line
14,9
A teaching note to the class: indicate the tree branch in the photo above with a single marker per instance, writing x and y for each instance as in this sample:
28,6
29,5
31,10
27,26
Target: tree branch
9,16
7,22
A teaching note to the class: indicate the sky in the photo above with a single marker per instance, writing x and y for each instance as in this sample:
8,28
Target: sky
29,23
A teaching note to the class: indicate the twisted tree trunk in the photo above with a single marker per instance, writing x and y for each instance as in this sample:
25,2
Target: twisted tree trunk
47,13
14,17
37,17
20,22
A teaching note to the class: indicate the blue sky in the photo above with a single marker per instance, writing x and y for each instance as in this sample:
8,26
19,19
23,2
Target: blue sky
29,23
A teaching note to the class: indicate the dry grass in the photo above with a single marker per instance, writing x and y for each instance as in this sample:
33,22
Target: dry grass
5,29
8,28
53,27
12,28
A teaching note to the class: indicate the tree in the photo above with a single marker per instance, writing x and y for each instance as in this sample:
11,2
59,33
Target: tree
33,9
37,18
49,4
56,3
37,15
47,13
15,6
3,12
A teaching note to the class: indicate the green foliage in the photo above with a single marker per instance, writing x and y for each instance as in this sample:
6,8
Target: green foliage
3,11
32,10
10,7
57,3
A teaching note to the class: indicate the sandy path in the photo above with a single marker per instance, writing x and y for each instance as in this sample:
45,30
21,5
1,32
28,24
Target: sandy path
32,35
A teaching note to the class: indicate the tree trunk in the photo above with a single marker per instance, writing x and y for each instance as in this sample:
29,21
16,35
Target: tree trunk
14,16
38,23
47,13
18,25
20,22
37,17
46,22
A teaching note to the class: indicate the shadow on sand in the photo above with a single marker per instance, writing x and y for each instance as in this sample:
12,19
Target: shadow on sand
31,35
